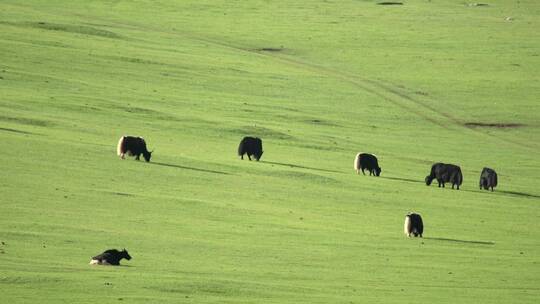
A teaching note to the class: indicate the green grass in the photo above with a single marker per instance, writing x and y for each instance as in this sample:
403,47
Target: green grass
298,227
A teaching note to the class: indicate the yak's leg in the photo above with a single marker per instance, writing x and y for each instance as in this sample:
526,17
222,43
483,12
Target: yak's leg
491,188
242,157
123,155
137,157
363,171
249,156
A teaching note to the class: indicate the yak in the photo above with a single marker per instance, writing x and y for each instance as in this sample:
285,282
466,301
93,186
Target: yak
445,173
367,161
252,146
110,257
413,225
488,179
133,146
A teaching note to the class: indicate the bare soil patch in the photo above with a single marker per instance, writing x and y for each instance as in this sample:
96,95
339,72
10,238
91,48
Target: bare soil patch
389,3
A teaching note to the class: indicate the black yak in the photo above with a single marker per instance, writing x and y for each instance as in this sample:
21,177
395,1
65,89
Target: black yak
488,179
445,173
252,146
133,146
110,257
413,225
367,161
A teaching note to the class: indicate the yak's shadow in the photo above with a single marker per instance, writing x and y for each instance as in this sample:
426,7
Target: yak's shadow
460,241
523,194
505,192
189,168
403,179
300,167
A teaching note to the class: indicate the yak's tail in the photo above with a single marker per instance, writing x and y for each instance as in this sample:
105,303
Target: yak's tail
241,148
357,162
459,178
407,226
120,149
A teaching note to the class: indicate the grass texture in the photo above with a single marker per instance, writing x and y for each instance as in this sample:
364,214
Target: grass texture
318,81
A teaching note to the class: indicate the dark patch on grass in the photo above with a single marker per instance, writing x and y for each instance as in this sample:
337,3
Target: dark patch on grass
389,3
300,167
76,29
196,289
313,178
460,241
189,168
26,121
478,4
320,122
132,60
415,160
122,194
270,49
135,110
321,147
145,112
493,125
261,132
16,131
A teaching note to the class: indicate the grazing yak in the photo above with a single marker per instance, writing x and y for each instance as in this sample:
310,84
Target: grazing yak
133,146
110,257
413,225
367,161
445,173
488,179
252,146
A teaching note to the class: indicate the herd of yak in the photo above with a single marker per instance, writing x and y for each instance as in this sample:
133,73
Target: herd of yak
252,147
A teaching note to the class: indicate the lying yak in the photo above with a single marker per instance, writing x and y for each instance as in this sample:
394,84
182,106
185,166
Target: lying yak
252,146
413,225
445,173
367,161
110,257
488,179
133,146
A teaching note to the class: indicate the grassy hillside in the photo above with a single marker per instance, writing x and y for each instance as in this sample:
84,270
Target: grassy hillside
318,81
